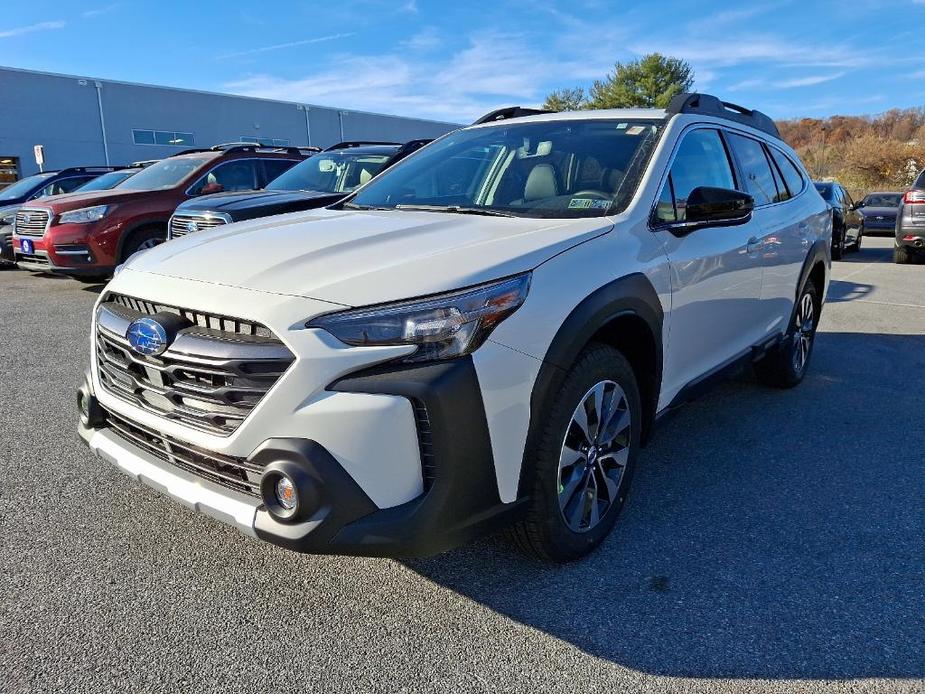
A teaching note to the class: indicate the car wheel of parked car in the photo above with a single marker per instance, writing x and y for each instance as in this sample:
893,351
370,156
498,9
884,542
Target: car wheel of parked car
901,255
838,246
141,240
857,241
584,459
785,365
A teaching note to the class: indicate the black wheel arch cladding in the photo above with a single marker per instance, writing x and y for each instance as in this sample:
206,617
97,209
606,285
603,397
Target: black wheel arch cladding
630,297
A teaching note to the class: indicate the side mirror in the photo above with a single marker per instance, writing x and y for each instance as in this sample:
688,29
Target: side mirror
210,188
711,207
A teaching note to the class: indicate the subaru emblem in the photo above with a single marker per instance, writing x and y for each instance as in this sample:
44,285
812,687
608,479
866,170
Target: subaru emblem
147,337
192,227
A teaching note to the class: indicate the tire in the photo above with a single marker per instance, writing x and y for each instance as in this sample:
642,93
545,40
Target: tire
786,365
857,241
838,247
594,503
142,239
901,255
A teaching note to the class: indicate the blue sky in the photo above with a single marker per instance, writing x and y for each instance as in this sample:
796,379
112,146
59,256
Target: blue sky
456,60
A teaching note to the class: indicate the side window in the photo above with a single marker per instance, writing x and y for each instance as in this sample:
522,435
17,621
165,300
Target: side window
228,177
273,168
792,176
759,181
701,160
664,208
782,192
849,203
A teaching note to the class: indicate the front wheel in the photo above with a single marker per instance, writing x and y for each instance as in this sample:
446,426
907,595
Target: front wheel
585,458
838,247
785,365
857,240
141,240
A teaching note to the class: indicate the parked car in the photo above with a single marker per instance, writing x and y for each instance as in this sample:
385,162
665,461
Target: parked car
483,335
111,180
36,187
317,182
909,242
87,235
878,212
847,228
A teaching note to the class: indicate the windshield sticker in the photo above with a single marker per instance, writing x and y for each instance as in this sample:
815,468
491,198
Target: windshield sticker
600,204
579,204
635,130
622,126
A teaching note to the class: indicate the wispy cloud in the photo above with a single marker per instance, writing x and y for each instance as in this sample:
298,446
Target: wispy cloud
411,7
31,28
290,44
96,12
807,81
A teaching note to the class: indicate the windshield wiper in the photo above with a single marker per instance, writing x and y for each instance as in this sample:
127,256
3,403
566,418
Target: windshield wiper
354,206
455,209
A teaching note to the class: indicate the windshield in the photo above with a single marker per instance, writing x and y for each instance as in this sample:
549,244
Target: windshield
825,190
881,200
24,186
106,181
331,172
557,169
165,174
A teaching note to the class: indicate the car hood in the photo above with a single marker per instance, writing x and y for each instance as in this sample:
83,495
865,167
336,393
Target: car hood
76,201
879,211
358,258
232,202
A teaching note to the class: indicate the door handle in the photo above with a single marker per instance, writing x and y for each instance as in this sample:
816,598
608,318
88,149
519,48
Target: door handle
753,244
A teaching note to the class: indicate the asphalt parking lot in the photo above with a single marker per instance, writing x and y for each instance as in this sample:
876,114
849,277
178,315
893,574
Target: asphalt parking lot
775,541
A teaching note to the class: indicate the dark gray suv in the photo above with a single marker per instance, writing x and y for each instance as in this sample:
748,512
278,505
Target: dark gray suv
910,223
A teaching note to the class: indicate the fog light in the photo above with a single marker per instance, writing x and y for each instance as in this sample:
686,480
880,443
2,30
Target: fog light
83,405
286,493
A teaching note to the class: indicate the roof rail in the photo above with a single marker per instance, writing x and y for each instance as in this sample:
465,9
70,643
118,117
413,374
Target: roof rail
357,143
511,112
195,150
409,147
254,146
141,164
709,105
86,169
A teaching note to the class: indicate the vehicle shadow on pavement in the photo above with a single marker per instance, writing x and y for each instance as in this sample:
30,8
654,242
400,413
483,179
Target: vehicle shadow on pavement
842,290
770,534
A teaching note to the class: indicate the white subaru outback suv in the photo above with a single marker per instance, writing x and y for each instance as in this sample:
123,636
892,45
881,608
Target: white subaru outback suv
483,336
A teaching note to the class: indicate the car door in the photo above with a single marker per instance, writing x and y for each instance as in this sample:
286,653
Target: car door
780,233
852,218
716,272
791,223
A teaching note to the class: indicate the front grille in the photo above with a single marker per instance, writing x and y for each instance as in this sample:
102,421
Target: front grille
210,378
180,223
234,473
212,321
31,222
33,259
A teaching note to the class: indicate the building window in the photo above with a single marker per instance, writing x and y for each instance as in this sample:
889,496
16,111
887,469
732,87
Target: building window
167,138
266,141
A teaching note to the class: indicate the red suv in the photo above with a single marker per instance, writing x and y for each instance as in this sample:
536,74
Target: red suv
87,235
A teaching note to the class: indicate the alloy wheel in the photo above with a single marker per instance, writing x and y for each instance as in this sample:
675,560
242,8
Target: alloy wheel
594,455
804,332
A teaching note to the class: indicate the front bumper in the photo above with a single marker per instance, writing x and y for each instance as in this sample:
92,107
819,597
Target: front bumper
69,249
458,498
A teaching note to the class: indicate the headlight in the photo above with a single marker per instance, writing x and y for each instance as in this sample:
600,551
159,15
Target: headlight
8,219
443,327
84,215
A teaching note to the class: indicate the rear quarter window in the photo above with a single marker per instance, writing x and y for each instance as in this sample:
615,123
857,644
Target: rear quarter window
792,176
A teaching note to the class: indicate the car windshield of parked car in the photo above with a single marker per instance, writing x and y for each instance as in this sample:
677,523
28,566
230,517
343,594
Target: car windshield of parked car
825,190
331,172
881,200
164,174
22,187
106,181
552,169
